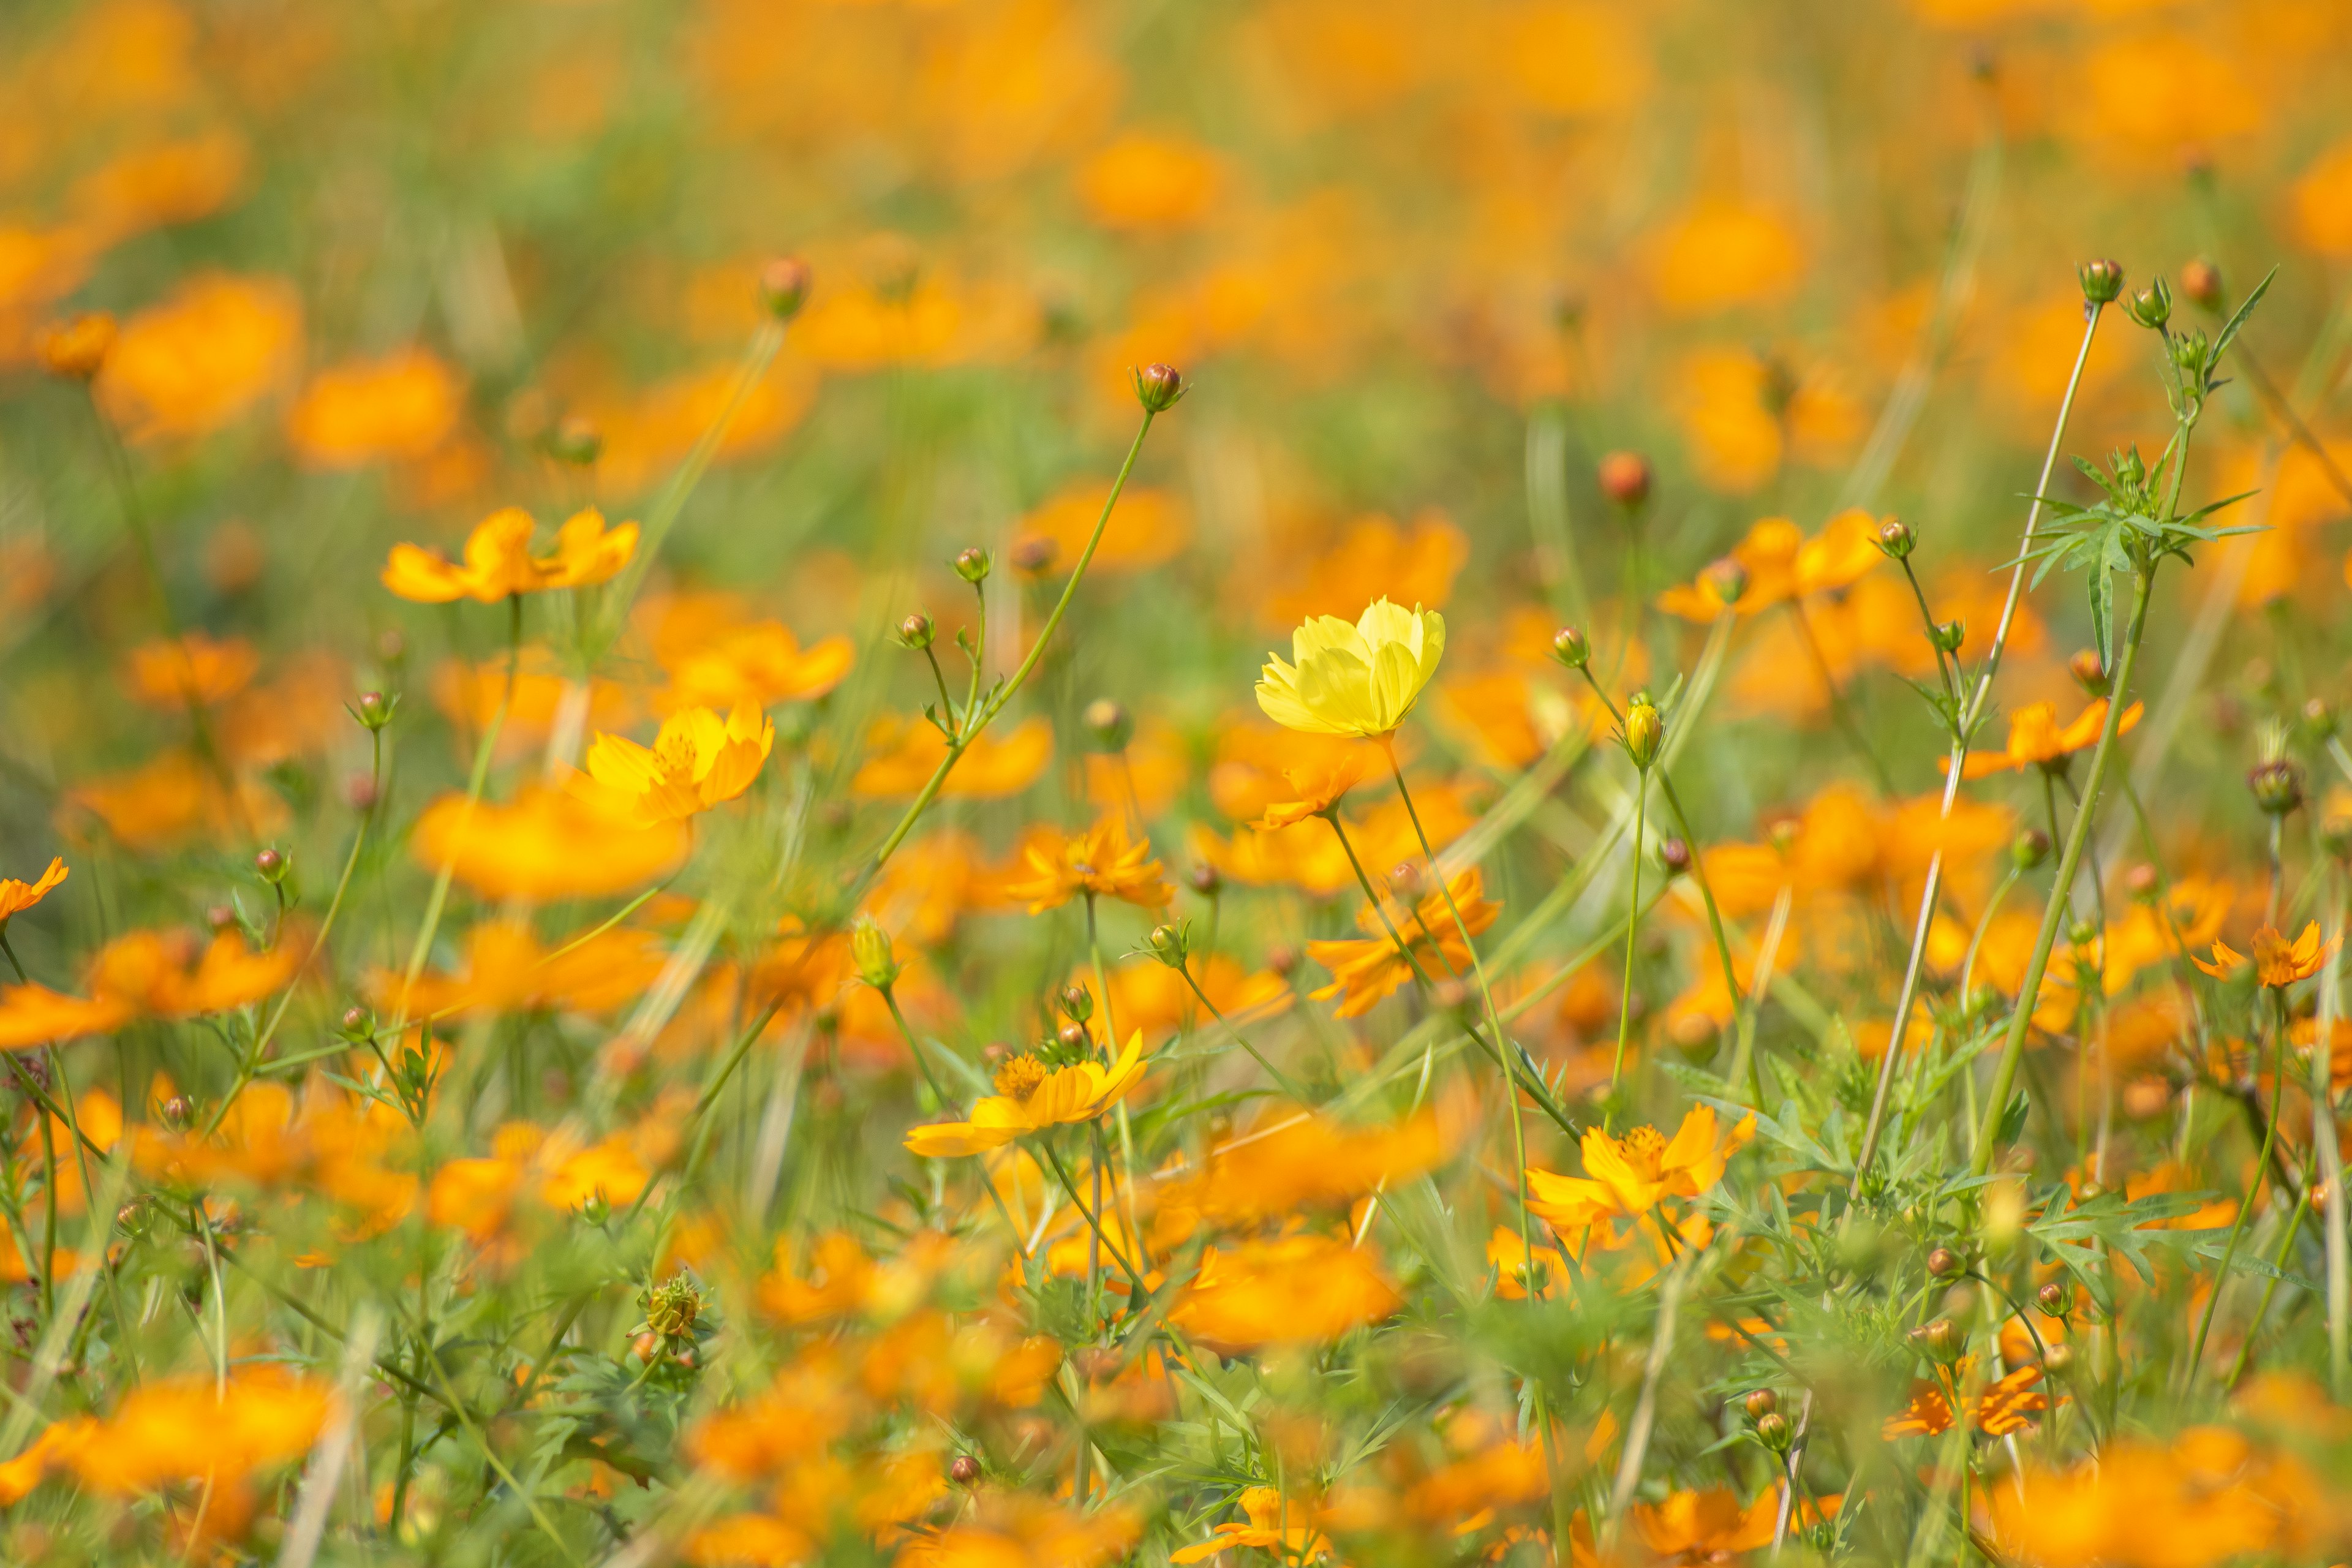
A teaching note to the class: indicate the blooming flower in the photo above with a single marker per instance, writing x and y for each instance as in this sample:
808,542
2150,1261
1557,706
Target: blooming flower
696,762
2278,963
191,669
1030,1097
499,560
1627,1177
544,843
2003,1407
1319,785
2036,739
16,897
1694,1528
1272,1524
1360,680
1782,564
1364,971
1291,1289
1100,862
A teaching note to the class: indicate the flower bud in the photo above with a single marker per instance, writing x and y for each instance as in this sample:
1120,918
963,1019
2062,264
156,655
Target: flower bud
2188,352
2029,850
2057,1358
219,917
2082,933
270,865
1895,539
2200,280
2151,307
869,949
2319,719
1643,730
1170,943
2140,883
1674,856
1072,1038
963,1469
784,286
576,441
2277,785
1772,1431
1206,880
1034,554
1948,637
76,350
2089,673
915,632
1109,725
1405,879
1760,1403
1077,1002
1625,478
1940,1339
2101,281
1158,386
1944,1263
1729,578
355,1022
362,792
1283,960
973,563
2052,1301
179,1112
1569,646
373,709
672,1307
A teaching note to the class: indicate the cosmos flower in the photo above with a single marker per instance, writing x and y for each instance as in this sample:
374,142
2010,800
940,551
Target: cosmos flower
1101,862
16,897
2278,963
1272,1525
1360,680
2004,1406
1031,1097
2037,740
1319,784
1627,1177
499,560
1363,971
696,762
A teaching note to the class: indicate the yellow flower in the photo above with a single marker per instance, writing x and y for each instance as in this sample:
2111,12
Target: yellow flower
1031,1099
2277,962
1354,681
1627,1177
697,761
16,897
498,561
1100,862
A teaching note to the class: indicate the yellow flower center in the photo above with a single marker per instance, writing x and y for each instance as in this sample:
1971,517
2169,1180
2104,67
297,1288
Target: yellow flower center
1644,1149
1019,1078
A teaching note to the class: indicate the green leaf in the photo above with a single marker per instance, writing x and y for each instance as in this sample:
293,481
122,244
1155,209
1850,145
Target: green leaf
2238,318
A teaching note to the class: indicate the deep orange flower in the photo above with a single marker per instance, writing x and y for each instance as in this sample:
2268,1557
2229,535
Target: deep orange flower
1101,862
1784,564
2278,963
499,560
1363,971
192,669
2003,1407
1292,1289
1319,785
2036,739
16,897
1030,1097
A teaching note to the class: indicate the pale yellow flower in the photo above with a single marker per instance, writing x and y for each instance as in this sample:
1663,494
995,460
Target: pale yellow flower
1360,680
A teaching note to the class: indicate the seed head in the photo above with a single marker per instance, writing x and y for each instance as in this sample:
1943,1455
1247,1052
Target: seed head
1625,478
2101,281
784,286
1158,386
672,1307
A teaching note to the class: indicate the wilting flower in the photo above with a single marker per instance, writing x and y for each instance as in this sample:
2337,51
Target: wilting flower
1360,680
16,897
2037,740
1031,1097
1274,1525
696,762
1100,862
2278,963
499,560
1319,784
2003,1407
1363,971
1627,1177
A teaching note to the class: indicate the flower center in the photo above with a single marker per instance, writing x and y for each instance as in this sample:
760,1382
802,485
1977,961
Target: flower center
1019,1078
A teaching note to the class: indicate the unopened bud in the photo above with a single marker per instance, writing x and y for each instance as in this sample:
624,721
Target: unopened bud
2277,785
2029,849
2188,352
869,949
1728,579
1772,1431
2052,1299
355,1020
1077,1002
2151,307
1072,1037
784,286
2319,719
1944,1263
1206,880
1158,386
2200,280
178,1113
361,791
1034,554
1761,1403
1283,960
1625,478
2101,281
2140,883
973,563
2089,672
219,917
270,865
1109,725
575,441
1569,646
963,1469
76,350
1675,856
1405,879
1948,637
2057,1358
915,632
1643,730
1170,943
1895,539
1940,1339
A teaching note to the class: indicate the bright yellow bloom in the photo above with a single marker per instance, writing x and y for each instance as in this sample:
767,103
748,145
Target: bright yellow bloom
498,561
1627,1177
696,762
1354,681
1030,1099
2279,963
1101,862
16,897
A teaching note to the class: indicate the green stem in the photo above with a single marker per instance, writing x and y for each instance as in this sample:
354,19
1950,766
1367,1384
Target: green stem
1633,929
1063,1176
2262,1167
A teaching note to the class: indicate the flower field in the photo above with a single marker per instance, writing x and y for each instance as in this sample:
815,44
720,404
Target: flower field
1011,784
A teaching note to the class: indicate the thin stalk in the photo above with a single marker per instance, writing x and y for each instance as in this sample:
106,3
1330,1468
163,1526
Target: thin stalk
2324,1135
1963,733
2078,836
1289,1084
2271,1285
1838,709
1062,1174
996,703
2262,1165
1633,929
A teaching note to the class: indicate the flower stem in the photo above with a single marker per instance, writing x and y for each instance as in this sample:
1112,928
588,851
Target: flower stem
2262,1165
1633,929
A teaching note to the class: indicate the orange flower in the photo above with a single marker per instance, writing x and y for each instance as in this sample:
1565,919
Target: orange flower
2278,963
1030,1097
181,1429
2003,1407
2209,1497
544,845
1627,1177
2035,739
1100,862
1008,1528
150,971
1782,564
500,563
902,753
696,762
191,364
1291,1289
16,897
508,971
192,669
1695,1528
169,801
1363,971
1150,184
34,1016
1319,784
761,664
1273,1525
1147,528
401,406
